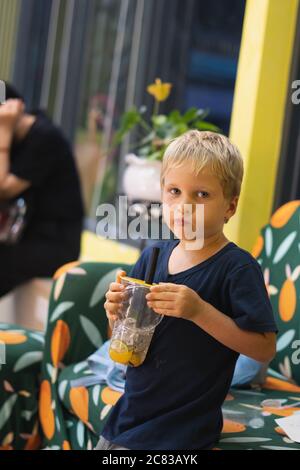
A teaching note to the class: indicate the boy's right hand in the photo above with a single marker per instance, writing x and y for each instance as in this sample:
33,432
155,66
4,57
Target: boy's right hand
114,298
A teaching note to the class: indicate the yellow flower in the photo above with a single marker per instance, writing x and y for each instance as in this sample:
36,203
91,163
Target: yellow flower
159,90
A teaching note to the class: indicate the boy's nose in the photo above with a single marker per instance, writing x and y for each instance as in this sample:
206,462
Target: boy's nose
185,209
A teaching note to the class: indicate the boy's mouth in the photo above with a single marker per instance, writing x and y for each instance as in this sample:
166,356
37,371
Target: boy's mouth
182,221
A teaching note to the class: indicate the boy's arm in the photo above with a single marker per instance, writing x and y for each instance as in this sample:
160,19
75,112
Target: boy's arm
258,346
182,302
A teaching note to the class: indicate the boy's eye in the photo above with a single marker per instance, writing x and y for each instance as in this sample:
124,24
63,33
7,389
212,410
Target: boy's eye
174,191
203,193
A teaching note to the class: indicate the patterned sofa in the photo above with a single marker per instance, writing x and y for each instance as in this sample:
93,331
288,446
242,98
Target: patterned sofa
39,368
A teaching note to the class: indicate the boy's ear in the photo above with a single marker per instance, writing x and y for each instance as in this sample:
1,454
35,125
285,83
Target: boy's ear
233,203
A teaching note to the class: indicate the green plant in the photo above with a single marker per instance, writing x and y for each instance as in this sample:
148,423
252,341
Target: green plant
163,127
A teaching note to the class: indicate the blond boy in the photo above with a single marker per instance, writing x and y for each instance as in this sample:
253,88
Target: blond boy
213,299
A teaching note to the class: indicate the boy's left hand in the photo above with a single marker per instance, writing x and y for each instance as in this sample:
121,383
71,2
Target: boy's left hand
175,300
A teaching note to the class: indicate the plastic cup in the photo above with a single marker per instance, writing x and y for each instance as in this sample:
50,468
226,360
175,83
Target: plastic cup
133,331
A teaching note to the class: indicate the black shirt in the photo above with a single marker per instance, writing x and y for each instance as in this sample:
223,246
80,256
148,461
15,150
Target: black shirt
173,400
45,159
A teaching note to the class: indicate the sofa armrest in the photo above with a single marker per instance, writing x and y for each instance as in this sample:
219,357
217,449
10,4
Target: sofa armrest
77,323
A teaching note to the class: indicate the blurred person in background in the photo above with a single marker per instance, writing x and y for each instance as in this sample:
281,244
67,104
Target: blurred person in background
37,168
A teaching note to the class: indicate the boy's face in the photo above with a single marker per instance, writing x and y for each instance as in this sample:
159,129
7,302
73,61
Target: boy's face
181,187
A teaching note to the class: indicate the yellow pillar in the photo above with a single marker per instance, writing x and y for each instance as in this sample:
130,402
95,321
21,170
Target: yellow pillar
261,90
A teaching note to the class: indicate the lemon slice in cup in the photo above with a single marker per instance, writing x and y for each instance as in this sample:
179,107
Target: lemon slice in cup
119,352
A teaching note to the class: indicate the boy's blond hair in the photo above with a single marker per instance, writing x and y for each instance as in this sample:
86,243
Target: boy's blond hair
204,148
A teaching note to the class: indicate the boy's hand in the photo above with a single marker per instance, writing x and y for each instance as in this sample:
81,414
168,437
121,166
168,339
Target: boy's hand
175,300
114,297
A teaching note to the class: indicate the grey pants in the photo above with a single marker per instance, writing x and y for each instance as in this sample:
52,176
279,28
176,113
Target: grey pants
103,444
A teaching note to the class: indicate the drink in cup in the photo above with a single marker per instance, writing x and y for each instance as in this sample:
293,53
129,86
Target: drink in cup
133,331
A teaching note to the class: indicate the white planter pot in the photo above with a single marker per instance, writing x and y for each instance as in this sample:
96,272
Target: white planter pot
141,179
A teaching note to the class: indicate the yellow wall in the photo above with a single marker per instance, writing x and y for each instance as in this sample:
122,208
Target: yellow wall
9,14
96,248
258,110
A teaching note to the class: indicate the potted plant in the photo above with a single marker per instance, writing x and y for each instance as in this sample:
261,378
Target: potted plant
141,178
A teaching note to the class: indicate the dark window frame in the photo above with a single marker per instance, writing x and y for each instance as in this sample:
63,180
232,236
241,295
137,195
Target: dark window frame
287,186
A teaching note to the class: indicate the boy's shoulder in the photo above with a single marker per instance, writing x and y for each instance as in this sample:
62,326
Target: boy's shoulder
231,258
237,258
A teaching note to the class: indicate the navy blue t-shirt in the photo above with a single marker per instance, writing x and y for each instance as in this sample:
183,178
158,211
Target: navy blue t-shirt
173,400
